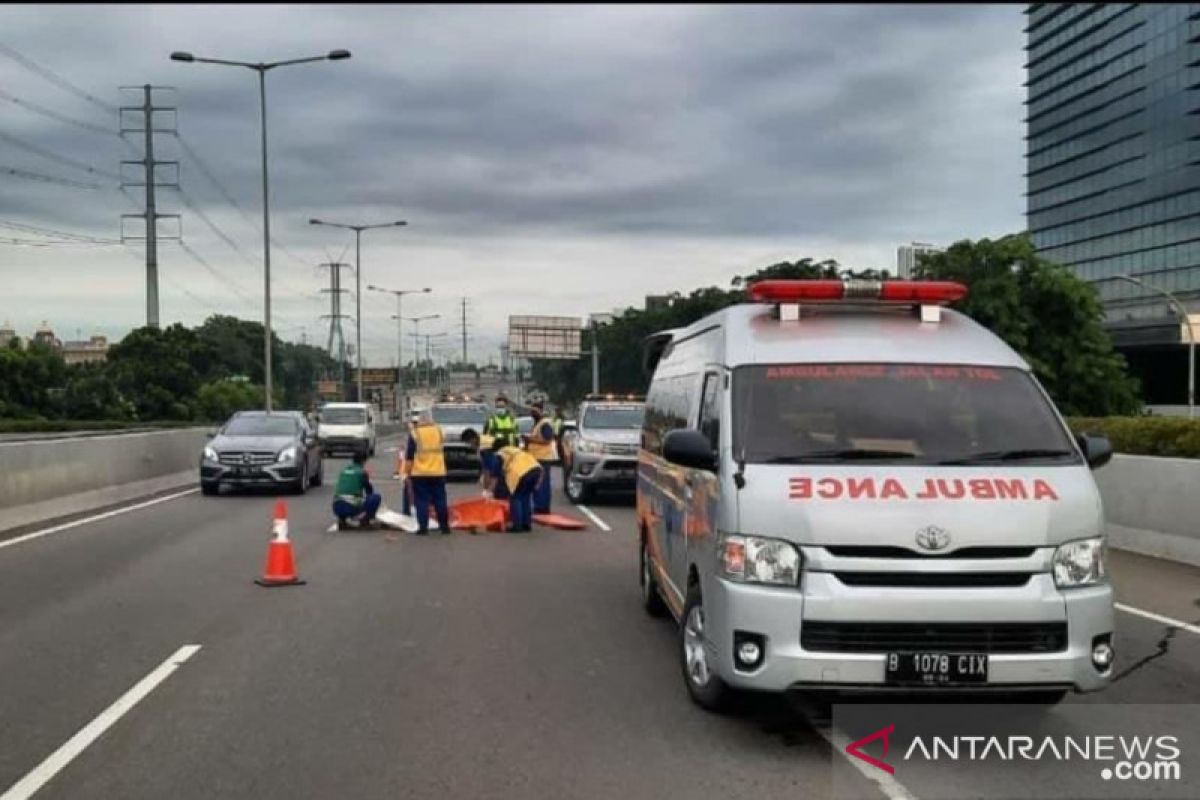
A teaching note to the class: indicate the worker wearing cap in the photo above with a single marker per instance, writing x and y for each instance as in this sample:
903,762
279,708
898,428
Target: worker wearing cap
521,473
425,462
502,424
540,444
513,469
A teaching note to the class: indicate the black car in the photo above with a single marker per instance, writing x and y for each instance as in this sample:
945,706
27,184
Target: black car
257,448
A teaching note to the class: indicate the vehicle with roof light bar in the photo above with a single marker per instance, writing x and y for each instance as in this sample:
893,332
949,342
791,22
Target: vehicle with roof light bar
849,486
599,452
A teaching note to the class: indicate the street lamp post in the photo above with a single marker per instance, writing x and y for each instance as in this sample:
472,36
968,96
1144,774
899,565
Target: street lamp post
416,321
261,68
429,337
358,229
399,317
1187,319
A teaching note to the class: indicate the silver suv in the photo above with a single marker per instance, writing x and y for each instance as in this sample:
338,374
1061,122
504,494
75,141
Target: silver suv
602,450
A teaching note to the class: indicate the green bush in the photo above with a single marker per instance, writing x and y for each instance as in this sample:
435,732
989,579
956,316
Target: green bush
1177,437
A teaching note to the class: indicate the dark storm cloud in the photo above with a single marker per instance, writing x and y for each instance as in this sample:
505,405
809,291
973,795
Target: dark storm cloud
869,125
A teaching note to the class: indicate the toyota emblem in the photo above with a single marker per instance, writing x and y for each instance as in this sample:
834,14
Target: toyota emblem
933,538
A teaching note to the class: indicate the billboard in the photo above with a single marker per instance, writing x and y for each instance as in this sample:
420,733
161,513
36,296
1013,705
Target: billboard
544,337
376,376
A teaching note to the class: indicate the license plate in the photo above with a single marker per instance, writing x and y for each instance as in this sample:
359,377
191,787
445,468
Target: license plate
626,474
936,669
245,471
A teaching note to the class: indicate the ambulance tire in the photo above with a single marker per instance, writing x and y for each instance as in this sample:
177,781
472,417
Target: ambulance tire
210,489
705,687
652,601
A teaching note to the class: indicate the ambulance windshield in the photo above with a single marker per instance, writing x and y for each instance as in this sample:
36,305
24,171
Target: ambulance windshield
895,413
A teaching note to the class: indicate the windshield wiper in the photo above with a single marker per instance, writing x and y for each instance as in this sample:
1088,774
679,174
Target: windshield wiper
850,454
1007,455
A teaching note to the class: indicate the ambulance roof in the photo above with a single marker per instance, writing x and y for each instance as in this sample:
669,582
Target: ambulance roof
864,333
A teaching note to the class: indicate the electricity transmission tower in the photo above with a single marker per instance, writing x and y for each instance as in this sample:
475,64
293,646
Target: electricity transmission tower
335,315
150,178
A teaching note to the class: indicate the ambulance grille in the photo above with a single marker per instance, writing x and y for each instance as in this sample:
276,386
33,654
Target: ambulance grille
884,551
961,580
950,637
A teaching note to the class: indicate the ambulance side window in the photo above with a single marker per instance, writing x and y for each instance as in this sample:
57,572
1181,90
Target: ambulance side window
710,409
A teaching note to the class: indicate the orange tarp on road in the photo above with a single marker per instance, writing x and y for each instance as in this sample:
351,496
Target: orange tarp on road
560,521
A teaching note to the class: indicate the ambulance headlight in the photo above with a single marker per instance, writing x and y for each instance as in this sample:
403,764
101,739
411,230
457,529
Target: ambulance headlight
210,454
1079,563
287,455
753,559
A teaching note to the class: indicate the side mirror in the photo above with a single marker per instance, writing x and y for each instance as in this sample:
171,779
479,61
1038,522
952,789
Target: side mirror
688,447
212,432
1097,449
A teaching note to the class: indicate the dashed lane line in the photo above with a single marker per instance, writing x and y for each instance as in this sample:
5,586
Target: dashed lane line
60,758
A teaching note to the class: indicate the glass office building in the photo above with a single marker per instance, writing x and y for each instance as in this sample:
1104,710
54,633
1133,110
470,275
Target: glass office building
1113,166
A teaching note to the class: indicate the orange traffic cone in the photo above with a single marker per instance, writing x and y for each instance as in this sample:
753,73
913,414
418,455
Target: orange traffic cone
281,565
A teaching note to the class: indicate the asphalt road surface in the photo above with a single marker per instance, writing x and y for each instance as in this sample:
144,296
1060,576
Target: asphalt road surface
493,666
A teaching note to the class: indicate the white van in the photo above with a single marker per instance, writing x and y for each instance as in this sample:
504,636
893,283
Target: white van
845,486
347,428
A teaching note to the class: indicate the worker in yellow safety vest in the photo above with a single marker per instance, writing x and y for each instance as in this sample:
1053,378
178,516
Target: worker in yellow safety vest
541,445
502,424
518,472
425,465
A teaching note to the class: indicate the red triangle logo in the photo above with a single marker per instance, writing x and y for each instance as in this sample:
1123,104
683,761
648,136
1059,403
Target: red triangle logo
854,749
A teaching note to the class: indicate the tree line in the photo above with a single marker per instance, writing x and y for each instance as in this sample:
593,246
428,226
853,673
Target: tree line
1042,310
157,374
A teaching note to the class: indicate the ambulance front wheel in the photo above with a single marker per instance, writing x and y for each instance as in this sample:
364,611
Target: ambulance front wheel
706,688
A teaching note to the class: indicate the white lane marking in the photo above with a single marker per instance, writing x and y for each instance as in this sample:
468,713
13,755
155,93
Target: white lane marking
63,756
599,522
1174,623
891,788
115,512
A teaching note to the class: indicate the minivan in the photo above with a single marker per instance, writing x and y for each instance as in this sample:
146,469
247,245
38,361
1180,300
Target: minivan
847,486
347,428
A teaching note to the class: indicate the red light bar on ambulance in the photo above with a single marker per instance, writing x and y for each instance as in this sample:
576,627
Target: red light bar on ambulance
826,291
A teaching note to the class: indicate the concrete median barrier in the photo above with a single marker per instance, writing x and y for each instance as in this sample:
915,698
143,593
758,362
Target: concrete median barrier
50,478
1153,506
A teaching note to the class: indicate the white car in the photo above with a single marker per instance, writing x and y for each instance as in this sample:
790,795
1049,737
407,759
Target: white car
347,428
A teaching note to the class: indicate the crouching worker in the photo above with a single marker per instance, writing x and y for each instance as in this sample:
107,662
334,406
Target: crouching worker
354,497
513,469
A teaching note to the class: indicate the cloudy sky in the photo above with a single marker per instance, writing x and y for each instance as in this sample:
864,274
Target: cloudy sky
548,159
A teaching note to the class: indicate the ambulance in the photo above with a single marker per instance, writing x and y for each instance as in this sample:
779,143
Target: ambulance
848,486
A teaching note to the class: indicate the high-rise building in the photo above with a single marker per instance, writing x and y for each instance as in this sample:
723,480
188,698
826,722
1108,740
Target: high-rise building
1113,166
906,257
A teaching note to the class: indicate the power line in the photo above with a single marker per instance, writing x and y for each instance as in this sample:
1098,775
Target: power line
224,281
25,174
52,232
17,241
54,115
208,173
44,153
56,79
